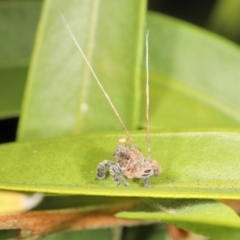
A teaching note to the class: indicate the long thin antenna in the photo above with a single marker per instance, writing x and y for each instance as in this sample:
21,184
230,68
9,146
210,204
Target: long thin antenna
96,78
147,100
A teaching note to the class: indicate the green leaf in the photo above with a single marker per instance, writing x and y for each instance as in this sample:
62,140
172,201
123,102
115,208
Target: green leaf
62,97
194,76
206,217
100,234
17,31
225,19
12,83
17,36
195,165
7,234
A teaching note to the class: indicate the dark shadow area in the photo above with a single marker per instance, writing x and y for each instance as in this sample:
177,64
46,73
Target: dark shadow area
150,231
8,128
196,12
8,234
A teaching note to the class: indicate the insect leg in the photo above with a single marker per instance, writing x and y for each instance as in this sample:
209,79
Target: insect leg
124,181
101,170
117,174
145,182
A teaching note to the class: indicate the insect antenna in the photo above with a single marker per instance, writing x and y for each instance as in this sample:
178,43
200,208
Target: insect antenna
96,78
147,99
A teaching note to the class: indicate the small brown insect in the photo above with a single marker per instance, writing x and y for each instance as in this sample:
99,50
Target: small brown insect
130,162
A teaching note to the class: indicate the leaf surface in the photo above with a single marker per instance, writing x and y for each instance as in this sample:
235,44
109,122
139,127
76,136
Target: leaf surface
225,19
194,76
195,165
206,217
16,42
62,97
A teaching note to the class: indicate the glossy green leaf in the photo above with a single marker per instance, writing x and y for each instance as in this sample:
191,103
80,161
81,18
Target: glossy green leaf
17,35
176,105
195,165
62,97
206,217
194,76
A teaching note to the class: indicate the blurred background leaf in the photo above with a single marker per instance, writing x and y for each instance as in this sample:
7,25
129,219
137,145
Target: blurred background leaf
62,97
18,22
225,19
194,77
100,234
206,217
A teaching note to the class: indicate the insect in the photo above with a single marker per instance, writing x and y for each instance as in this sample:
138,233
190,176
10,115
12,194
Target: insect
130,161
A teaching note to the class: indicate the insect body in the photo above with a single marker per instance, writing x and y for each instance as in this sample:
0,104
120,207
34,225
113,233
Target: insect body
131,163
